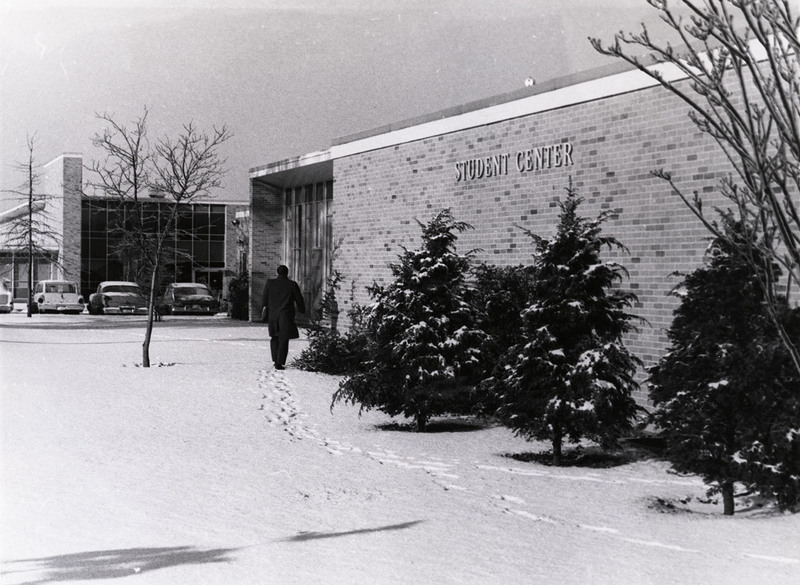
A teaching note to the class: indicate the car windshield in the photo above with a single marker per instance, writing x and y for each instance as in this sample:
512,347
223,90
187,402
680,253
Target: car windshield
122,288
59,287
185,291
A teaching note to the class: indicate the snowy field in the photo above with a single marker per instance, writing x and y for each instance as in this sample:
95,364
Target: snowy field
212,468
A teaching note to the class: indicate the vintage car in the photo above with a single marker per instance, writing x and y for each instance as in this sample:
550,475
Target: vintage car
117,297
57,296
6,298
183,298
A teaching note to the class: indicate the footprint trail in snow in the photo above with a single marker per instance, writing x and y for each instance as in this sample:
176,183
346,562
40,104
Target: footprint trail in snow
280,409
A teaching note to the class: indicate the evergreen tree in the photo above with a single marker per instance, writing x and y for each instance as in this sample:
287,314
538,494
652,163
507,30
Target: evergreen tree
239,296
571,376
726,391
424,347
501,292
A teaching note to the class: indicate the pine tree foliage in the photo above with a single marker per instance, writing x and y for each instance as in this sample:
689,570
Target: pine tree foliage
501,292
330,351
424,345
571,376
726,392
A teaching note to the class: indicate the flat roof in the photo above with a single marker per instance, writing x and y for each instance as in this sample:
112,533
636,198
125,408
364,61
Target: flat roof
614,79
482,104
316,164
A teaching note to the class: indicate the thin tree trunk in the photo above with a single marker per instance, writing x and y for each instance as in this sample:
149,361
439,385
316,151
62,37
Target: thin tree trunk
30,279
151,303
146,344
30,237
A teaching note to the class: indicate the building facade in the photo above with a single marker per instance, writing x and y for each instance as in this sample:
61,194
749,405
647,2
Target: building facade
208,246
502,166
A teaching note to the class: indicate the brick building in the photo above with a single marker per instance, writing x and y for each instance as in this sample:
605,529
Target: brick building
210,245
500,165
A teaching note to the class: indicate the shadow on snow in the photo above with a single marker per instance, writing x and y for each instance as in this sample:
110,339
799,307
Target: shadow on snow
629,451
110,564
303,536
444,425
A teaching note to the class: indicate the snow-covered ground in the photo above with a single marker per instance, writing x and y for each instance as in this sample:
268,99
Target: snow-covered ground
212,468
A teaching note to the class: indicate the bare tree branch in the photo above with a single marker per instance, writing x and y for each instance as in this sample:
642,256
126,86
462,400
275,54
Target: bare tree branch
172,172
739,74
31,227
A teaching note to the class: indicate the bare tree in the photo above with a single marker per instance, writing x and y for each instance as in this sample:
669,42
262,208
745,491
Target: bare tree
735,64
175,171
123,175
30,228
185,170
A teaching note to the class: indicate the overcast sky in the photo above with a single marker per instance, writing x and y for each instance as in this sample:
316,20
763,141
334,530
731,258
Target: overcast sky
286,76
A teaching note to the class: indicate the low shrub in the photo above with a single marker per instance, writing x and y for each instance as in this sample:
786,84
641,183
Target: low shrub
239,297
331,352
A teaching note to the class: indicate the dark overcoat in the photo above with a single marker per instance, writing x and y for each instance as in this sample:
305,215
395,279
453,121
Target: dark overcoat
279,299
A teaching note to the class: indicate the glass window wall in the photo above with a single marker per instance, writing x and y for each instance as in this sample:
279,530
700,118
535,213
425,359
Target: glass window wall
196,244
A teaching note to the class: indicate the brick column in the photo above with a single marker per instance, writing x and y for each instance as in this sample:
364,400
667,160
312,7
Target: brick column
266,240
62,185
71,239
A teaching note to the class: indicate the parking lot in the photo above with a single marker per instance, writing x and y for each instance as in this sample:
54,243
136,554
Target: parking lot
19,318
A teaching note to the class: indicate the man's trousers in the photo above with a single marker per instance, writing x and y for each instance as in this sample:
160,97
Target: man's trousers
280,350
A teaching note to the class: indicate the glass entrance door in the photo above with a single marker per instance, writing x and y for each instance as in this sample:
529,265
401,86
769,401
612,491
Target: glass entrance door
309,240
212,278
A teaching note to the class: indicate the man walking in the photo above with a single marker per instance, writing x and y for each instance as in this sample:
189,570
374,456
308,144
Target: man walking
279,299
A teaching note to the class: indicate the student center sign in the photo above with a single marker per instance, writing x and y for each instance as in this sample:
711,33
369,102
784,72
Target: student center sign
533,159
500,165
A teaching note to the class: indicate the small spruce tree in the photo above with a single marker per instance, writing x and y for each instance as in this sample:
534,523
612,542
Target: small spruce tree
571,376
239,296
725,393
501,292
424,345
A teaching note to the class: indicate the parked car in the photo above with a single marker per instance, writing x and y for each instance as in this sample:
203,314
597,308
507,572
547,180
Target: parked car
182,298
116,297
57,296
6,298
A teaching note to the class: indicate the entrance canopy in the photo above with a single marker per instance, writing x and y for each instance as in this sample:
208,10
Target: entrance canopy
316,167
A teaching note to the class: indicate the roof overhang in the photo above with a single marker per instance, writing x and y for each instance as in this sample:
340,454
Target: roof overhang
20,211
315,167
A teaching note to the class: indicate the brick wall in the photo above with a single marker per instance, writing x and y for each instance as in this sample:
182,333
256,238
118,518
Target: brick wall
71,244
615,143
266,240
62,184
